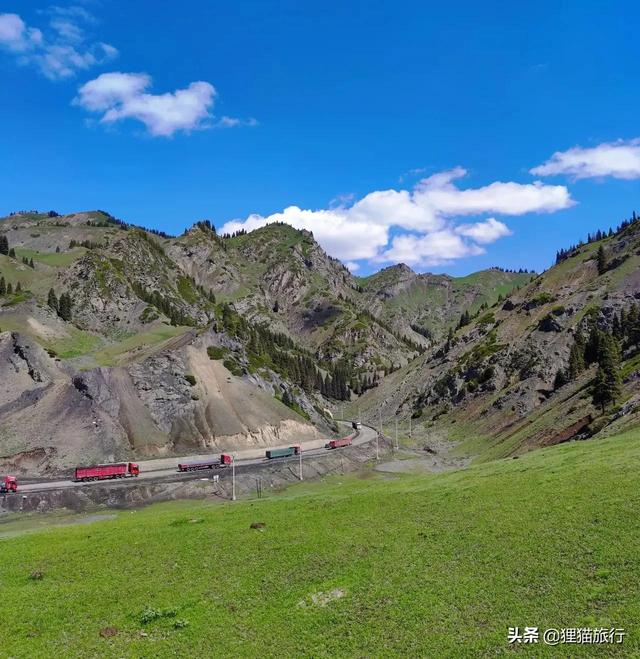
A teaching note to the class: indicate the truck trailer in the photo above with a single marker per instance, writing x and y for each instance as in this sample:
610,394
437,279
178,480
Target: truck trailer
105,472
218,463
282,452
339,443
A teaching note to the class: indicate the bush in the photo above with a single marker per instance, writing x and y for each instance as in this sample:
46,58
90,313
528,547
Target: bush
191,379
232,366
217,352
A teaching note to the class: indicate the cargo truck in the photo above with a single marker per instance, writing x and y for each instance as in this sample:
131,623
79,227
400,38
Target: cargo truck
282,452
8,484
339,443
218,463
105,472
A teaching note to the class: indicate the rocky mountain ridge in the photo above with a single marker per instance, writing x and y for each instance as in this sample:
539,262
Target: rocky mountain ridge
172,344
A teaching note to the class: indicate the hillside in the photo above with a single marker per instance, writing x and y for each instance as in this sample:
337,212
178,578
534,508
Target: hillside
430,304
118,341
503,384
432,566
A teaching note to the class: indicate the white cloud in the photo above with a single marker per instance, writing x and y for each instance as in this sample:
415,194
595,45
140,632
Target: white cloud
416,226
499,197
619,159
353,266
121,96
484,232
435,248
16,36
60,52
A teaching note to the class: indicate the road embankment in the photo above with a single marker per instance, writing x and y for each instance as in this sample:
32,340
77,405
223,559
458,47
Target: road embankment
251,481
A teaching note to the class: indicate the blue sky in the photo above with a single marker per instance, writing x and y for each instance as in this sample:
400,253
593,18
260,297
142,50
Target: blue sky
396,131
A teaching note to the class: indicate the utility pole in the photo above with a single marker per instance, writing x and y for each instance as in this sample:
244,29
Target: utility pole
300,455
397,447
410,435
233,477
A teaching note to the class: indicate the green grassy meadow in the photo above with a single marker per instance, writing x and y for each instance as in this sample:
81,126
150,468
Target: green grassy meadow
412,566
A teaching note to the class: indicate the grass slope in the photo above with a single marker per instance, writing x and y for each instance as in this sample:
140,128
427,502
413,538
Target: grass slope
423,566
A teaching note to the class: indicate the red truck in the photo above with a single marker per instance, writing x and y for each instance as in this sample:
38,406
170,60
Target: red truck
338,443
9,484
104,472
223,461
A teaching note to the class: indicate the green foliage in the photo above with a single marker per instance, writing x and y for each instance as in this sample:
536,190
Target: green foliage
186,288
52,300
540,299
149,315
4,244
163,303
191,379
217,352
606,387
233,367
487,319
602,260
65,307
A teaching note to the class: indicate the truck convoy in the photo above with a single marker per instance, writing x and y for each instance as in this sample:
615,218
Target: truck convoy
105,472
223,461
8,484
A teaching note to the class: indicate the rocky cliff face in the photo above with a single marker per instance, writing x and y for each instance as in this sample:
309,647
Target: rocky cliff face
178,401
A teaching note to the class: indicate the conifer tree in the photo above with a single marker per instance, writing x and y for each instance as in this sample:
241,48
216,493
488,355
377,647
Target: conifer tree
18,288
12,253
3,286
602,261
64,307
52,300
4,245
606,387
576,357
9,289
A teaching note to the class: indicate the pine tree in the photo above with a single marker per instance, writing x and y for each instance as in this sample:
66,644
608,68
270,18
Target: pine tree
18,288
31,265
602,261
9,289
561,379
606,387
52,300
12,253
4,245
64,307
286,398
449,343
3,286
576,357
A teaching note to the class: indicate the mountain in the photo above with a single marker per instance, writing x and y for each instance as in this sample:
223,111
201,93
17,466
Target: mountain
118,341
521,373
426,304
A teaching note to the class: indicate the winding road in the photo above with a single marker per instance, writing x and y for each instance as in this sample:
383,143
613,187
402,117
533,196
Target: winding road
167,468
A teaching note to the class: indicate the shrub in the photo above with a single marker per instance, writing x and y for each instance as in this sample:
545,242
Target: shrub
191,379
232,366
217,352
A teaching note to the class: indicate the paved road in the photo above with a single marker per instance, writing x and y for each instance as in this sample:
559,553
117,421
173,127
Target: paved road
164,468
